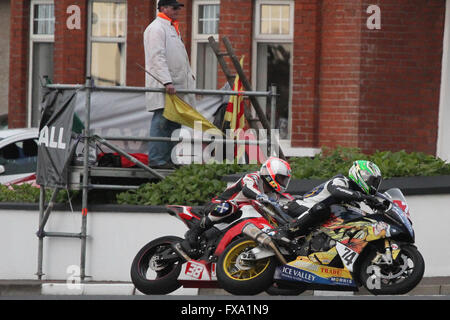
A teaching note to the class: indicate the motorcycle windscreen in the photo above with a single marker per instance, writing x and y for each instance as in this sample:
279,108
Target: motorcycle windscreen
403,214
399,199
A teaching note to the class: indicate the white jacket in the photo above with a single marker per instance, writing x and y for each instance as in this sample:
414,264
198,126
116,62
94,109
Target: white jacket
166,59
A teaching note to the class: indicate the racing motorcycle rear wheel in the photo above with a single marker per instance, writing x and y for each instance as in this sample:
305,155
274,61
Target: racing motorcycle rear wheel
238,274
153,275
398,277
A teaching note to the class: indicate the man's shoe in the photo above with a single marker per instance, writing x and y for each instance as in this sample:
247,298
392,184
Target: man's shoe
165,166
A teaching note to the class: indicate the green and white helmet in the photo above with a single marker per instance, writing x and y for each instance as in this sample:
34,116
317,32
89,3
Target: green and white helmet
366,175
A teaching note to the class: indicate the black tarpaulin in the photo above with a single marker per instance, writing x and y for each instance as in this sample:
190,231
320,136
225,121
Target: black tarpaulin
56,142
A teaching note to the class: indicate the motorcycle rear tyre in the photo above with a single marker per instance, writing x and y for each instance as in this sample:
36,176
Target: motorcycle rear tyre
246,284
166,282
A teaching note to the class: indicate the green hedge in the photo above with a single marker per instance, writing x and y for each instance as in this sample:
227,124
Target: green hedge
197,184
190,185
29,194
392,164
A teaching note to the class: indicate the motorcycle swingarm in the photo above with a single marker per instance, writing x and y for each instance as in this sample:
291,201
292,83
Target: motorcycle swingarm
167,256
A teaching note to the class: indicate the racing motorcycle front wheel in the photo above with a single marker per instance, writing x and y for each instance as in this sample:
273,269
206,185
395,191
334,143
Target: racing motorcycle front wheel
239,274
156,267
399,277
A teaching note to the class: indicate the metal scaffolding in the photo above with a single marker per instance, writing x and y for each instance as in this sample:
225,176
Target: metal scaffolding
86,169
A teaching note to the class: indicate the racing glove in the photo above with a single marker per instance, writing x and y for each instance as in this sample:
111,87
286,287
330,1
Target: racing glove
264,198
376,204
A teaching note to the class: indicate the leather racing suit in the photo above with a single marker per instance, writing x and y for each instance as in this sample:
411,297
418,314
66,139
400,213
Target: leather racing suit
314,207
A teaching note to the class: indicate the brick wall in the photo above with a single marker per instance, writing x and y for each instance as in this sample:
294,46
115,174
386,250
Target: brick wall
237,26
306,73
70,44
400,77
140,14
373,89
185,18
339,73
18,64
4,55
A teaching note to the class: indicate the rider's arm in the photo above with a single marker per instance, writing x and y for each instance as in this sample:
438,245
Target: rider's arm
250,186
339,189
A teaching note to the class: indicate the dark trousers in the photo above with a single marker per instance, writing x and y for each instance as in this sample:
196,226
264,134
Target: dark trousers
160,152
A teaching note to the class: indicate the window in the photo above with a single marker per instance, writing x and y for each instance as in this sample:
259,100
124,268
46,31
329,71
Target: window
272,52
44,18
208,19
274,19
205,24
42,28
107,42
19,157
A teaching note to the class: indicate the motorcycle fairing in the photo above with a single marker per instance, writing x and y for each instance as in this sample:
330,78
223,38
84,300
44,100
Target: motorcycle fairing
184,213
198,274
304,270
351,236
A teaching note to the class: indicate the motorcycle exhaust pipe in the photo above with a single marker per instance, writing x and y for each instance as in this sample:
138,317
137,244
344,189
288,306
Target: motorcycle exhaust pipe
262,238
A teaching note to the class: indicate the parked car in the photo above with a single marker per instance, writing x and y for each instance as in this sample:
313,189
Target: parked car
18,154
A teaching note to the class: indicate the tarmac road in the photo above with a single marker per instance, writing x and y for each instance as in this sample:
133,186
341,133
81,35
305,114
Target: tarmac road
429,288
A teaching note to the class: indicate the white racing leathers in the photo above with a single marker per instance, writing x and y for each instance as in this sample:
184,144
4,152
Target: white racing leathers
238,196
314,207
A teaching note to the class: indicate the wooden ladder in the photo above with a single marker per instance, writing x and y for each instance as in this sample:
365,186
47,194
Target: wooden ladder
245,82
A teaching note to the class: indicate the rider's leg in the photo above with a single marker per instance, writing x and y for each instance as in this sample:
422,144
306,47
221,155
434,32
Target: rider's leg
306,220
220,211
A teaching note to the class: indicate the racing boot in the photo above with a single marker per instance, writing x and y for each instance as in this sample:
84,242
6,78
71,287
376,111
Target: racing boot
287,233
192,237
300,226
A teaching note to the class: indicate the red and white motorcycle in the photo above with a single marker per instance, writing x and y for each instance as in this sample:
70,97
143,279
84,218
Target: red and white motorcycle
160,268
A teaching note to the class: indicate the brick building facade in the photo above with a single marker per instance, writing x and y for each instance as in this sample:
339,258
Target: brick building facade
359,73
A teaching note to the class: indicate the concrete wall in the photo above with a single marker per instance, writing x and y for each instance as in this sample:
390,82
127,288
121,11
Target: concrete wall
115,237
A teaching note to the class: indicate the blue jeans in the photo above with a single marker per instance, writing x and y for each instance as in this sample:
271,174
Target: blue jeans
159,152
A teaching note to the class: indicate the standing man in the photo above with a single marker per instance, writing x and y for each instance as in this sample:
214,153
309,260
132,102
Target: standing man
168,67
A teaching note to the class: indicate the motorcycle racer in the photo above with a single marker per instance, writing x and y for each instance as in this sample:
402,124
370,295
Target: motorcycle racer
362,183
265,186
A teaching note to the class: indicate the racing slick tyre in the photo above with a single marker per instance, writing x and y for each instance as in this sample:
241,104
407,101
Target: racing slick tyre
152,275
400,277
241,276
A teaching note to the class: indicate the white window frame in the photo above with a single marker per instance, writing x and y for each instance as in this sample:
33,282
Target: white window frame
272,37
443,136
276,38
32,39
199,38
122,40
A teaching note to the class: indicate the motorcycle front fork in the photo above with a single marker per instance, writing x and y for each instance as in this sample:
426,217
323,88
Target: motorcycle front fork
387,257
